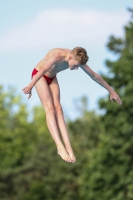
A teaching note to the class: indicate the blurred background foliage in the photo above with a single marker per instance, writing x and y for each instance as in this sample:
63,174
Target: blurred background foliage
30,168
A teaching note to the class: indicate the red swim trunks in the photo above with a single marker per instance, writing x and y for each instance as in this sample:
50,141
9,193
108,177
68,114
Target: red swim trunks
48,79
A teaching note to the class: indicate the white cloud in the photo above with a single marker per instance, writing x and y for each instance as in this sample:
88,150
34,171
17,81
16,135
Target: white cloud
63,26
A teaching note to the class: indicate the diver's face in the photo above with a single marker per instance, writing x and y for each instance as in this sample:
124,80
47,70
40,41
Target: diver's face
73,63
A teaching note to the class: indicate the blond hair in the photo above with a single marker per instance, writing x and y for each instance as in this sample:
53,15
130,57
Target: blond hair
80,55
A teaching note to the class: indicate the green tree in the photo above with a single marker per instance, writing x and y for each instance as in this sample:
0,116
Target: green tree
30,167
18,142
15,130
111,168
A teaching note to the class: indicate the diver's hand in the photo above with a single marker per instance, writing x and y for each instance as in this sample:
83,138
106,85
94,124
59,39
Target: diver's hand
30,94
27,90
115,97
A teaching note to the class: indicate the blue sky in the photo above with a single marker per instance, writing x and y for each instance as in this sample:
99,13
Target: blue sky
30,28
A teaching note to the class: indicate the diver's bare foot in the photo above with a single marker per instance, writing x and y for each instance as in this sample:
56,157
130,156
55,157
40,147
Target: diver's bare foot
64,155
71,154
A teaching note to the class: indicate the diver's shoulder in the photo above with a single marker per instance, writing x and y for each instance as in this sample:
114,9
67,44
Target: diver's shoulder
59,50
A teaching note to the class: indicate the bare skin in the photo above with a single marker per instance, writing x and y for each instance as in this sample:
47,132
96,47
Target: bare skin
54,62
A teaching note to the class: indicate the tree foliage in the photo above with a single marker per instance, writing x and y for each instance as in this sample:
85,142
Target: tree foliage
30,165
111,168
